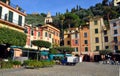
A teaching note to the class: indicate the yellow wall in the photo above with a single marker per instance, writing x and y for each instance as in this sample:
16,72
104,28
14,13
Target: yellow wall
7,26
99,34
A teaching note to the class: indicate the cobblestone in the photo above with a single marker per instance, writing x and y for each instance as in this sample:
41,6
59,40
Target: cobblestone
81,69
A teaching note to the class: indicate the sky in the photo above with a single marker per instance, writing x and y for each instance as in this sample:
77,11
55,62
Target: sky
52,6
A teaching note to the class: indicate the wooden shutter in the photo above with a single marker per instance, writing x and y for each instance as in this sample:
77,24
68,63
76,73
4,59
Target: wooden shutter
4,1
10,16
0,11
20,20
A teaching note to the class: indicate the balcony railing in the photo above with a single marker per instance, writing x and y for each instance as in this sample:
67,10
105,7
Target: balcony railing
14,6
16,22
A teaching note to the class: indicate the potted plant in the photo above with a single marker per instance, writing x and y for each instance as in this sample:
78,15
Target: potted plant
16,64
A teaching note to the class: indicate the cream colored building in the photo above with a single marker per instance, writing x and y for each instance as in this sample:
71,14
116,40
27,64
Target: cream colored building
116,2
115,33
48,19
11,17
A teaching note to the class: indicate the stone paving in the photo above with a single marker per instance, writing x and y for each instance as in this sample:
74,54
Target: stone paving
81,69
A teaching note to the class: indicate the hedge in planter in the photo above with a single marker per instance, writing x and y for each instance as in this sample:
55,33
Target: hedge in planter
5,64
38,64
16,64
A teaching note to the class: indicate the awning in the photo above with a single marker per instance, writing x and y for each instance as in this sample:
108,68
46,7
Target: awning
44,53
15,47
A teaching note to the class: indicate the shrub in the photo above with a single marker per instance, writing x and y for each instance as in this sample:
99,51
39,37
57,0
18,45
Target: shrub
38,64
6,64
16,62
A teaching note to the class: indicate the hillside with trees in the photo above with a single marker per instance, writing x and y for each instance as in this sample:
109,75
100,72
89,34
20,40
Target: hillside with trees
78,16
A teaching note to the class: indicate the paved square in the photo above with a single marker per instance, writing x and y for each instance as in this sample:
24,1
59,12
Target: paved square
81,69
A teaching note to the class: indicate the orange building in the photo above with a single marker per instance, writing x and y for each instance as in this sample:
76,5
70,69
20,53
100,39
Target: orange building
84,40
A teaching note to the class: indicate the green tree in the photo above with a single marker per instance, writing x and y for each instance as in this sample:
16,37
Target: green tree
40,44
63,49
53,51
71,20
12,37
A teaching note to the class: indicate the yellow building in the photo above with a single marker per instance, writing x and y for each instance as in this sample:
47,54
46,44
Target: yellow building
96,34
72,39
11,17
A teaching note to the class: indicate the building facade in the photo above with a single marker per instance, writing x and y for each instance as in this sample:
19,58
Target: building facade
115,33
116,2
45,32
85,40
79,39
96,34
72,39
11,17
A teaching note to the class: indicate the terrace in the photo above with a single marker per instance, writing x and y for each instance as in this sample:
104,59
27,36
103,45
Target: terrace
13,5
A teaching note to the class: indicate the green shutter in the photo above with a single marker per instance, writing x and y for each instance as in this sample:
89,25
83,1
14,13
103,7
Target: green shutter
0,11
95,22
20,20
10,16
86,49
4,1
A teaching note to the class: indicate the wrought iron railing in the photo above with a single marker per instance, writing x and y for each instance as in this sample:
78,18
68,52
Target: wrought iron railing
14,6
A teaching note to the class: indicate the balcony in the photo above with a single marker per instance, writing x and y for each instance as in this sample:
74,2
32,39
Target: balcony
13,23
12,5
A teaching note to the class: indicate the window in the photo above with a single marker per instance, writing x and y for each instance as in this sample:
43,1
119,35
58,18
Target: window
45,34
106,39
114,24
4,1
106,47
76,49
86,41
5,17
56,34
49,35
86,49
97,48
105,32
68,42
115,32
25,31
38,34
52,40
0,12
96,31
116,47
76,35
68,35
10,19
115,39
20,20
32,32
85,34
47,21
76,41
97,40
95,22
